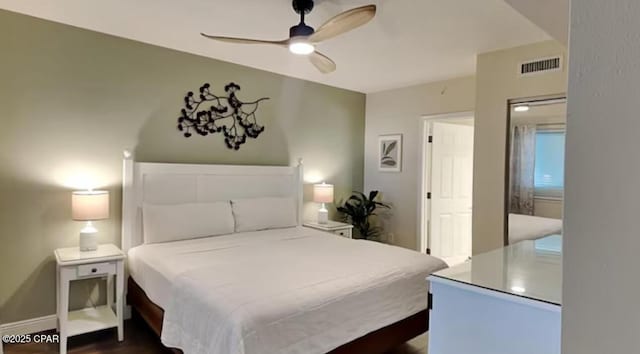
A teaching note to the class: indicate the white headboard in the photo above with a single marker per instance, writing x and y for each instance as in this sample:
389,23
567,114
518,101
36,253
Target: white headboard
169,183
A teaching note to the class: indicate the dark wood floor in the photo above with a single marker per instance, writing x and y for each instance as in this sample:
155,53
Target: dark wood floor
139,339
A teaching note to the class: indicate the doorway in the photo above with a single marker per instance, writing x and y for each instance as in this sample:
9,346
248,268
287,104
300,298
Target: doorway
447,186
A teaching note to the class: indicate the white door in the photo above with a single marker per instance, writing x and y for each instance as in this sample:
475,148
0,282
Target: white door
451,191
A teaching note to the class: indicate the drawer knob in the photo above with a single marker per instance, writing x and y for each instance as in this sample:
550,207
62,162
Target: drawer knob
93,270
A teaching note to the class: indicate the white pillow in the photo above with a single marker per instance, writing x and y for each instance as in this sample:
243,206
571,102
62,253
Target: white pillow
164,223
264,213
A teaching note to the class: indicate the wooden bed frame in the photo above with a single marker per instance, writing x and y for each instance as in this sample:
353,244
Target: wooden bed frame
379,341
167,183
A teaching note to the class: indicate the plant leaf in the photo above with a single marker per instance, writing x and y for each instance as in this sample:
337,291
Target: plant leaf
357,209
390,148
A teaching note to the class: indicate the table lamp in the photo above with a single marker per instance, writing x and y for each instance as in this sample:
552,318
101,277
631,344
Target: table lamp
89,206
323,193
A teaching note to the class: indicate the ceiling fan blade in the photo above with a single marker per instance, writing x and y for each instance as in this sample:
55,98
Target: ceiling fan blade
322,62
344,22
244,40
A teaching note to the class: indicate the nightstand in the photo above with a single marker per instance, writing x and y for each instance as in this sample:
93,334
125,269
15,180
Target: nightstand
107,262
334,227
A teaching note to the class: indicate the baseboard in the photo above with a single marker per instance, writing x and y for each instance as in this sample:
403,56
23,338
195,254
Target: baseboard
33,325
40,324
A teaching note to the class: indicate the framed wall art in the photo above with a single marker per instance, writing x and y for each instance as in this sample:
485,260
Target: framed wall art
390,153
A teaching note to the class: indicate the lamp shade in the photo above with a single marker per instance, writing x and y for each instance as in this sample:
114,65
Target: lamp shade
90,205
323,193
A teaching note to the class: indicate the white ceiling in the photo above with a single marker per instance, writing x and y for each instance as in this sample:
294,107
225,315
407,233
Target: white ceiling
409,42
550,15
541,114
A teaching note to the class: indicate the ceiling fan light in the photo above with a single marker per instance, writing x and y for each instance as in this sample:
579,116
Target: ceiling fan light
301,47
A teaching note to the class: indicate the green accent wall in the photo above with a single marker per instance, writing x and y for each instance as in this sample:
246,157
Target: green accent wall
72,100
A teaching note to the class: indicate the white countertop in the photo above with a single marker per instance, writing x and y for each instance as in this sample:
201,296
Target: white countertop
529,269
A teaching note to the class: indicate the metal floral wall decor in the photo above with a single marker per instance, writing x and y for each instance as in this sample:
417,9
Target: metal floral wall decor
235,119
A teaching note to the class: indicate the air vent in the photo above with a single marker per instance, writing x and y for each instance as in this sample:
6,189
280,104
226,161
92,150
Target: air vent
540,66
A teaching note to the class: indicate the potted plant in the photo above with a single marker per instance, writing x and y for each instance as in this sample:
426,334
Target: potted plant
357,211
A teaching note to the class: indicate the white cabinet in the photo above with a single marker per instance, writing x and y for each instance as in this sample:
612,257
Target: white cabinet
506,301
467,319
107,262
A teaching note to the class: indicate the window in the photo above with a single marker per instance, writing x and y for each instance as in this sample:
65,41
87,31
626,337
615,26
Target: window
549,163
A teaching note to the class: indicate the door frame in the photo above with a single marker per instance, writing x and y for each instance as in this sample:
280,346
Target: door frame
424,172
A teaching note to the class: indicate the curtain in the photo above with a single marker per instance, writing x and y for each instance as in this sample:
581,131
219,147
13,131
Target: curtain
521,184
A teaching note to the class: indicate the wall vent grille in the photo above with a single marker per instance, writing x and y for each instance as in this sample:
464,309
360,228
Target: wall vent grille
540,66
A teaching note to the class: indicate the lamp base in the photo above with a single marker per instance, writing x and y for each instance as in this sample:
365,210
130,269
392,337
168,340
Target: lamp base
323,216
88,238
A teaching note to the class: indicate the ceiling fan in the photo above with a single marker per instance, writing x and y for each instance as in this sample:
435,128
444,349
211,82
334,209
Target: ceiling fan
303,39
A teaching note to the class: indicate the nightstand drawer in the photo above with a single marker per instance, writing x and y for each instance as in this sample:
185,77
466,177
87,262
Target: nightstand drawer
96,269
343,233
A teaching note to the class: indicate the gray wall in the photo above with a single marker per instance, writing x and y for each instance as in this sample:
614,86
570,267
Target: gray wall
497,81
601,289
399,112
72,100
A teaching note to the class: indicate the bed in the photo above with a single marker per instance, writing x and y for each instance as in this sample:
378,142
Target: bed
280,290
528,227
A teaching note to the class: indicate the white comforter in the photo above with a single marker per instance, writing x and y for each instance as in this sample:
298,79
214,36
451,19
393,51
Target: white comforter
528,227
285,291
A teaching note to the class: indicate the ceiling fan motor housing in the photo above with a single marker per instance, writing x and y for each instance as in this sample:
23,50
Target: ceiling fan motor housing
300,30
